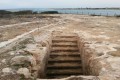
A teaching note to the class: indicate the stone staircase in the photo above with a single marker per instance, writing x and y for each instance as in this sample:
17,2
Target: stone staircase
64,60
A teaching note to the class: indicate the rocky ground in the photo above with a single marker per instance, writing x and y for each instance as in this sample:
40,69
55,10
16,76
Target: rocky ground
102,34
10,30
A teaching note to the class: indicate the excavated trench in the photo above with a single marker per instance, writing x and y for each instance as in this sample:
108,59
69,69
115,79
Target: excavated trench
69,58
64,59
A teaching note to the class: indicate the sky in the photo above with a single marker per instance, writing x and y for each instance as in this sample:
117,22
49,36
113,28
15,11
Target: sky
13,4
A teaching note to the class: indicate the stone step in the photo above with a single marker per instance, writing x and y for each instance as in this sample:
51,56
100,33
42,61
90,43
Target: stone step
70,54
69,59
64,71
52,77
64,40
65,49
65,55
63,36
64,66
64,44
64,61
54,51
68,45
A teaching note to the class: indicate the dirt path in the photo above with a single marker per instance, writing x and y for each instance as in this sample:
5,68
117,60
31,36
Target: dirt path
13,25
11,31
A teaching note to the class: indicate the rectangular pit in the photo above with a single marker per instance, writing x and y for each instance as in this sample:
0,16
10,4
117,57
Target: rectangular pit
69,56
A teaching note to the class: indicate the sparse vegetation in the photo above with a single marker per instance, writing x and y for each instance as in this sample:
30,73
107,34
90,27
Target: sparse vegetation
118,16
4,12
23,12
49,12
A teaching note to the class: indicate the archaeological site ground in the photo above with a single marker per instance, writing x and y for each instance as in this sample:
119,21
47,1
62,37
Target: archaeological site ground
60,47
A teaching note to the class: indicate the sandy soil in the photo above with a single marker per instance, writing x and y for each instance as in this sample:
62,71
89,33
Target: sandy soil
102,33
102,30
10,31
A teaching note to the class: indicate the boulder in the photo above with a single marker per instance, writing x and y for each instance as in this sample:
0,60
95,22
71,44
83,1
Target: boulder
25,72
35,53
23,60
7,70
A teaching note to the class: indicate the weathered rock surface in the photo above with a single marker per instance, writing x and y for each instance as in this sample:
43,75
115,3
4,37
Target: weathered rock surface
36,53
7,70
25,72
23,60
101,34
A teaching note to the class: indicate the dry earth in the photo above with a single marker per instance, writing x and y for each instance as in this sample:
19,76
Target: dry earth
9,31
102,34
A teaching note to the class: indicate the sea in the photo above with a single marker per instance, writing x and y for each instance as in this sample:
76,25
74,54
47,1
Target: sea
103,12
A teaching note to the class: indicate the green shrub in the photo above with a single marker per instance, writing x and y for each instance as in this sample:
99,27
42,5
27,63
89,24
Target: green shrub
49,12
117,16
23,12
2,12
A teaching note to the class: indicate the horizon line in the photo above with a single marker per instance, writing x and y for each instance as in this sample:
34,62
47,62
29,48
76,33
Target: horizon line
64,8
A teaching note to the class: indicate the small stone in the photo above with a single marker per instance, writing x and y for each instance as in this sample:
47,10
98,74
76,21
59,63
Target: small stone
20,60
100,54
20,52
35,52
12,53
31,46
3,61
25,72
32,60
6,70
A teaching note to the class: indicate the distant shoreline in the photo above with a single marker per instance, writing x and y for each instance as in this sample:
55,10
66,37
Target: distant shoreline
87,8
86,11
